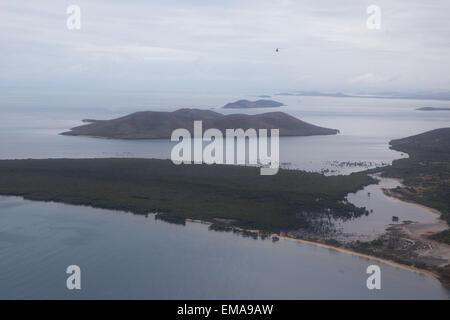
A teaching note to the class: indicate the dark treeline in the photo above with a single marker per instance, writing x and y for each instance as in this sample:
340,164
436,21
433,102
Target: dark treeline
426,173
286,201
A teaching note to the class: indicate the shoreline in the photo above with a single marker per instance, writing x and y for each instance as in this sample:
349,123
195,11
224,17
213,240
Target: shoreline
285,237
355,253
389,194
331,247
259,232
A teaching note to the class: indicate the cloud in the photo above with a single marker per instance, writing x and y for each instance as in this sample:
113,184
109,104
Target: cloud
371,78
136,53
226,45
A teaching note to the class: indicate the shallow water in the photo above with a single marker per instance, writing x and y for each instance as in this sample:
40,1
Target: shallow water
132,257
382,208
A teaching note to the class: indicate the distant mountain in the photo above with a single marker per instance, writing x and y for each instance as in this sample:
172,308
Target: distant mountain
152,124
315,94
433,109
417,96
381,95
246,104
322,94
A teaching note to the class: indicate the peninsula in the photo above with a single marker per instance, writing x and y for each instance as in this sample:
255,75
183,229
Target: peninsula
425,178
425,174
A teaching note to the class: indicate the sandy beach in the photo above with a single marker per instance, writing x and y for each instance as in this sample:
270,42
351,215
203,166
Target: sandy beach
436,253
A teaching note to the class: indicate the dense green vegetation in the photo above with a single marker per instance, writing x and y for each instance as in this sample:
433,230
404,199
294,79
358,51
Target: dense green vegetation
426,173
237,199
443,236
229,195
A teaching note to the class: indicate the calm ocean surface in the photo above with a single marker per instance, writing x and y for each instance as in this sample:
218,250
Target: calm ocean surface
127,256
366,125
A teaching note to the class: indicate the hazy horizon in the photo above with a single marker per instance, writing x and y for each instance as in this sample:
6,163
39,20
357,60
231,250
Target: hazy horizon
224,47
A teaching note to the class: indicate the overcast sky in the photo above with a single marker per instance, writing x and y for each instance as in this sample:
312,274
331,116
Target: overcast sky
225,46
